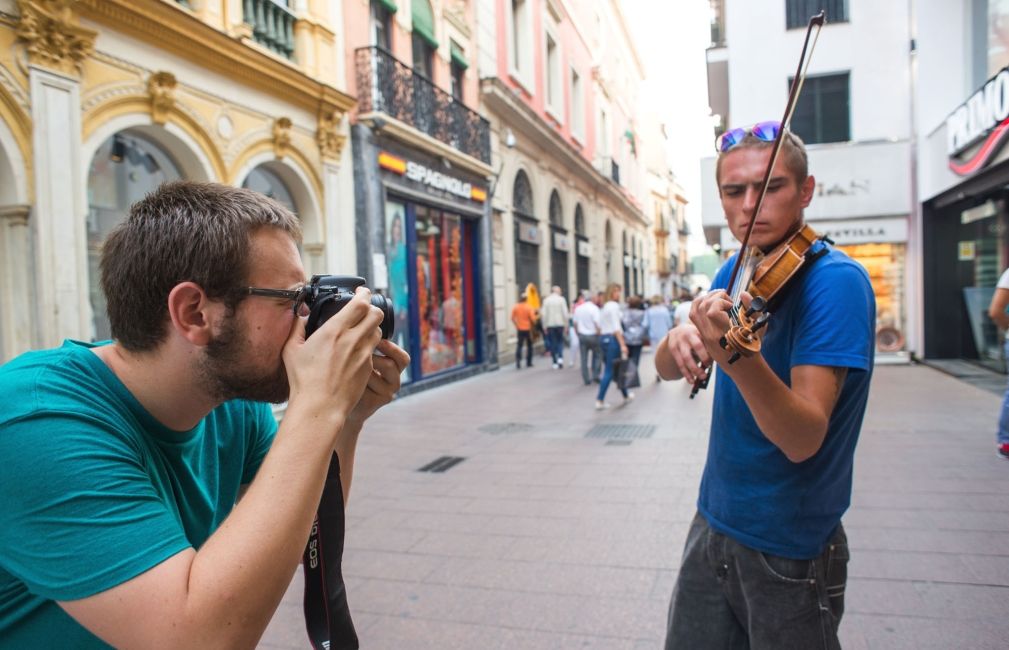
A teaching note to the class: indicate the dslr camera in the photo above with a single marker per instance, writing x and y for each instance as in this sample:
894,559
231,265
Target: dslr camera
328,294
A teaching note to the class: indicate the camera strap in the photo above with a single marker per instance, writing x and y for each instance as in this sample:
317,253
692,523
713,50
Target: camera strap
327,613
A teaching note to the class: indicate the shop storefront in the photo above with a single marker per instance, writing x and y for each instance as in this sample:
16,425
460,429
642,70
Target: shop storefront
879,245
421,246
966,248
965,226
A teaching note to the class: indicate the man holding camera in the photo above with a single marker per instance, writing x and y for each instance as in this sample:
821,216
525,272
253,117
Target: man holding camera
123,462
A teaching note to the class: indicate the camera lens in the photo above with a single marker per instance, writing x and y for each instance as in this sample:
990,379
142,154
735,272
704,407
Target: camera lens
335,291
388,316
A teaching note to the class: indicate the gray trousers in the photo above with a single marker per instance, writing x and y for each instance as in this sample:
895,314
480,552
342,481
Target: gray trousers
729,596
590,343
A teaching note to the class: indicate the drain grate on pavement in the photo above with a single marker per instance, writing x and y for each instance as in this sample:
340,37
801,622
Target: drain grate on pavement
504,428
442,464
621,431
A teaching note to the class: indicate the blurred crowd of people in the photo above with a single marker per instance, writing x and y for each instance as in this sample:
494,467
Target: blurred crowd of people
601,330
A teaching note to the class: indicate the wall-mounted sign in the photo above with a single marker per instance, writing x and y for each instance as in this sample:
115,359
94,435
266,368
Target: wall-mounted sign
584,248
427,176
966,251
562,242
844,232
979,212
527,232
985,115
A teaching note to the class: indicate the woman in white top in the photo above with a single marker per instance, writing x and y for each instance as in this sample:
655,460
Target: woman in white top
611,339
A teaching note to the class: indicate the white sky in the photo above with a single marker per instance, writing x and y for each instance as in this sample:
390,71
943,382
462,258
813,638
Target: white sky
670,37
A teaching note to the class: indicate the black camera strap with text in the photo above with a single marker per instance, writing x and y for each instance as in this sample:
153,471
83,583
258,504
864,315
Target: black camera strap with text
327,613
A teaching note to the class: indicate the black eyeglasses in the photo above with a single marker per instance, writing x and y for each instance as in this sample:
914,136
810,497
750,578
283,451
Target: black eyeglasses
298,296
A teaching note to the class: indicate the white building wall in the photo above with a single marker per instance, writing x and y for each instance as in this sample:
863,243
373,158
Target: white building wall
873,46
942,83
867,181
869,174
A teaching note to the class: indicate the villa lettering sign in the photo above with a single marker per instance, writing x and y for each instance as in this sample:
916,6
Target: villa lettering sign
983,118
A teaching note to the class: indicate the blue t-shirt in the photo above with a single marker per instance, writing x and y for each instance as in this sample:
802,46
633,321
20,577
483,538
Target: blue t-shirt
750,491
95,491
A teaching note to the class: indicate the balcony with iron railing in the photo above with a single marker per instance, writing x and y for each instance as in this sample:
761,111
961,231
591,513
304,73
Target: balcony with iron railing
272,24
387,85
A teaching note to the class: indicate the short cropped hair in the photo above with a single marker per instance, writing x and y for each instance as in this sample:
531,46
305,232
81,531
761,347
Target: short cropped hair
793,152
182,232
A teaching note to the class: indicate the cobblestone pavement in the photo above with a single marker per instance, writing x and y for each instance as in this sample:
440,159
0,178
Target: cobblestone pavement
554,533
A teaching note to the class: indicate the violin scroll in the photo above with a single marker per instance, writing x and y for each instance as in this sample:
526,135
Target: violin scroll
742,338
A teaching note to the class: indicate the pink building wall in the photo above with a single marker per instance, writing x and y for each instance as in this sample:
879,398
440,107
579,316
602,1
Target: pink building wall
574,52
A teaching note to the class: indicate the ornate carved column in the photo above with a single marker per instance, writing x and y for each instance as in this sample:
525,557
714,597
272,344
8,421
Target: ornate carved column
56,46
338,193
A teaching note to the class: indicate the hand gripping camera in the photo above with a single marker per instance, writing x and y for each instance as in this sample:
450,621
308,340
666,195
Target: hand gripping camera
328,294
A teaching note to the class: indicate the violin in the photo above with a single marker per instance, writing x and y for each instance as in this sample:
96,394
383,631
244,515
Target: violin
765,275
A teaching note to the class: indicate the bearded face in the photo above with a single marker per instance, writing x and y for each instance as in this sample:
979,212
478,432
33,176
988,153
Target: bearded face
230,368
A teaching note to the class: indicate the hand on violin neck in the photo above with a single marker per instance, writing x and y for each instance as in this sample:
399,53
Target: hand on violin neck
681,354
710,315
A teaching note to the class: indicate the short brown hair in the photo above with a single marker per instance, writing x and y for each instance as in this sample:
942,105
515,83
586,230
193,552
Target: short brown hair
634,302
182,232
793,152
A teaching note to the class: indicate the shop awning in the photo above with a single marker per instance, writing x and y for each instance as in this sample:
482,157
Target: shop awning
423,21
390,5
458,57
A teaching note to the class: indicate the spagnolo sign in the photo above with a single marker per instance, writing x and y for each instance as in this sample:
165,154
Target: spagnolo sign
985,115
427,176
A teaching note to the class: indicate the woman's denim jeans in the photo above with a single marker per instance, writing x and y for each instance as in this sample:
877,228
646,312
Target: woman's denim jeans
1003,420
611,352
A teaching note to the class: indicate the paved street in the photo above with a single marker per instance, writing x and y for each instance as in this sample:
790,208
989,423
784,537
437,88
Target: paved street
545,537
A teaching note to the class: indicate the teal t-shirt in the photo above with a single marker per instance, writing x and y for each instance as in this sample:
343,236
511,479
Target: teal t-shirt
95,491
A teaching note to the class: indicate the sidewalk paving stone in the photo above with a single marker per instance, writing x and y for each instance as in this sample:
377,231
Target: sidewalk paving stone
544,538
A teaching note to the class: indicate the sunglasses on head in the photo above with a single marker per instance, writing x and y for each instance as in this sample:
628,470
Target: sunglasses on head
763,131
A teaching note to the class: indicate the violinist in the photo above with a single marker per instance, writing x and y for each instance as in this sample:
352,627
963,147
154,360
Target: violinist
765,561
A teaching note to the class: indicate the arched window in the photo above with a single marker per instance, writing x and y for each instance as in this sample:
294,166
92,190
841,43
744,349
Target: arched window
527,234
625,263
126,167
522,196
582,251
560,243
609,250
556,216
266,182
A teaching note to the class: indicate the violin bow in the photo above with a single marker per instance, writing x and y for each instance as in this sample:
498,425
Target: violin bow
798,80
793,98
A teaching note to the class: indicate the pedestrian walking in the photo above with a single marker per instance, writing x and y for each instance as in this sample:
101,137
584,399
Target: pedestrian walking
997,312
586,323
632,319
658,322
765,561
524,317
681,314
555,320
611,340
